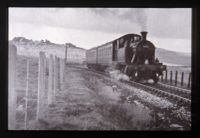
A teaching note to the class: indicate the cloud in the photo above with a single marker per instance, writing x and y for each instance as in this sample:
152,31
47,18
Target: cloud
165,22
76,18
89,27
85,39
170,23
133,15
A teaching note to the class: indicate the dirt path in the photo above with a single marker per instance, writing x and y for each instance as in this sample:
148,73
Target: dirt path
87,103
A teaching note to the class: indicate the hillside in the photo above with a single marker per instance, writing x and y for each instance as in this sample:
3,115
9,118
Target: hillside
173,58
29,47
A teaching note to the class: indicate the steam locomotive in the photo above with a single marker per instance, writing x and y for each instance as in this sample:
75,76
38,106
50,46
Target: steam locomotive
132,54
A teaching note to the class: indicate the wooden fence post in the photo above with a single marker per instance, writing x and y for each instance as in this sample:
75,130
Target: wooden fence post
55,75
58,71
26,95
170,76
62,66
176,75
12,95
41,87
45,74
189,80
182,78
50,80
166,76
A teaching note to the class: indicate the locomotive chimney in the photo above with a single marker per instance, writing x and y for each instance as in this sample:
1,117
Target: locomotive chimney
144,35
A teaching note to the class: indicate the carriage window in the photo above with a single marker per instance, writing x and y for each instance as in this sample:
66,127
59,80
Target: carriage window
126,43
121,41
116,46
136,38
132,39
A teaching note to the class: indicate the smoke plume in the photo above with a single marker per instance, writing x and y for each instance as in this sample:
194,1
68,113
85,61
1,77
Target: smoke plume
133,15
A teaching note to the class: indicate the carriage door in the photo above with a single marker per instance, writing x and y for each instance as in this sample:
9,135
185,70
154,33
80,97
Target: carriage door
115,49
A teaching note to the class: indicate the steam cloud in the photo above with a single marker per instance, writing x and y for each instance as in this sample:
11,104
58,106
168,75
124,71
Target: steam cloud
136,15
117,75
142,19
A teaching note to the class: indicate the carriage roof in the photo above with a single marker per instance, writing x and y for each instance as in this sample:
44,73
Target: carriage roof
127,35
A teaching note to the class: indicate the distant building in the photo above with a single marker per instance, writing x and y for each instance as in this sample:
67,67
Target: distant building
75,55
70,52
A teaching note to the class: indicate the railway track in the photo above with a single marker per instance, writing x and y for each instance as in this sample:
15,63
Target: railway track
170,95
162,90
175,90
178,89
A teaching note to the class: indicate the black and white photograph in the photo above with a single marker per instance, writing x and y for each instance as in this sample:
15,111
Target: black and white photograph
99,68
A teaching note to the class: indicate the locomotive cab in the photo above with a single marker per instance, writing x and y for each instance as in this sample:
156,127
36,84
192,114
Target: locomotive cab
124,49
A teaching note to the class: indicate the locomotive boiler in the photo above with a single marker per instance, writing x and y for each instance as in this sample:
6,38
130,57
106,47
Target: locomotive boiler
132,54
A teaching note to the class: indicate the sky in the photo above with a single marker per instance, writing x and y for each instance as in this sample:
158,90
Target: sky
168,28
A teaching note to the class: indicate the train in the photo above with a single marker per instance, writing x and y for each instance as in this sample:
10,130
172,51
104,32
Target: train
132,54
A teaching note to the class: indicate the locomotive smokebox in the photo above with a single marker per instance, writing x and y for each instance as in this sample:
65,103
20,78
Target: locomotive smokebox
144,35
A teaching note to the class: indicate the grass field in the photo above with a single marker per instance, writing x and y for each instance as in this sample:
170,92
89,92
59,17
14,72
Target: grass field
91,105
23,88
